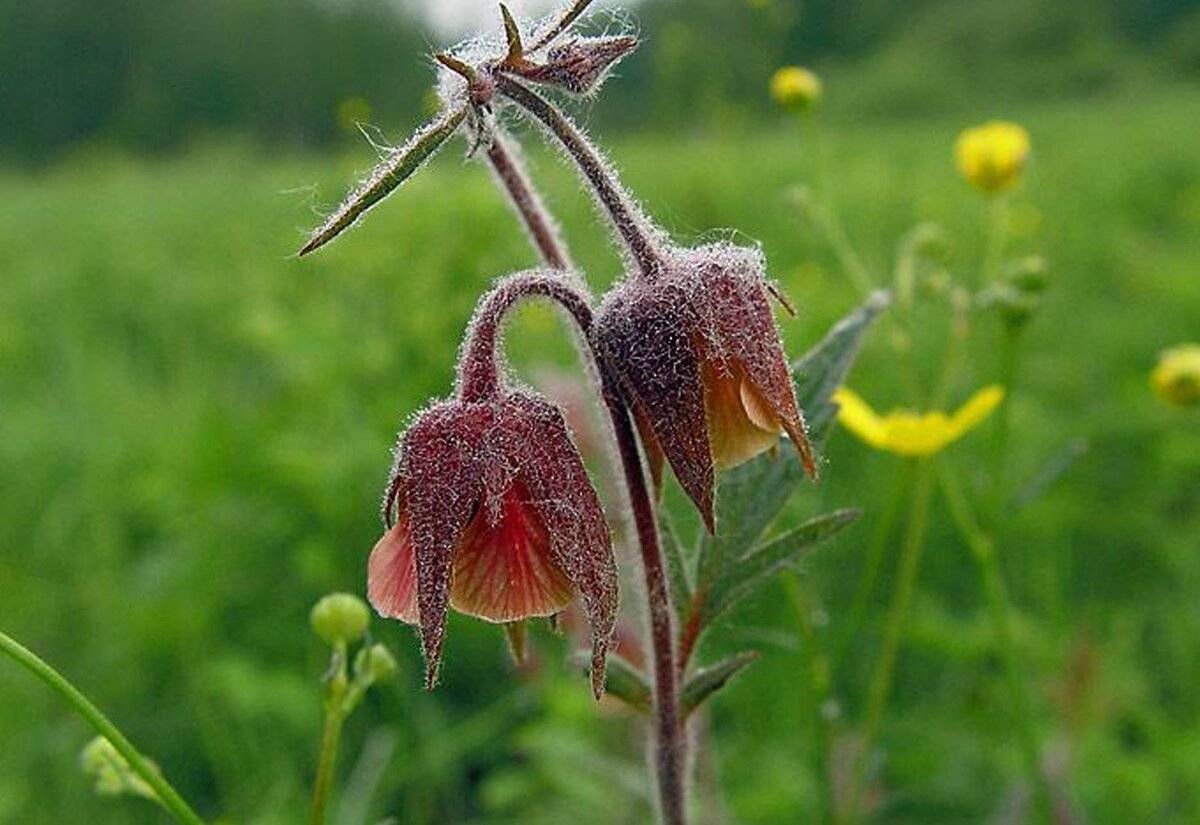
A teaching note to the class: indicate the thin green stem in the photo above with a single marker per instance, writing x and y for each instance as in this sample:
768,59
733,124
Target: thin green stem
820,676
167,796
874,563
993,250
880,687
1009,359
330,740
983,549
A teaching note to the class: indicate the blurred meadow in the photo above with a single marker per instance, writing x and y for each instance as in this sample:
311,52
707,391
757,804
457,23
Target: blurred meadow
196,425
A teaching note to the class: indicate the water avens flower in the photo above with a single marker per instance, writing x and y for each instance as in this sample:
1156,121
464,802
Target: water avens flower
697,350
1176,377
992,156
490,510
795,88
910,433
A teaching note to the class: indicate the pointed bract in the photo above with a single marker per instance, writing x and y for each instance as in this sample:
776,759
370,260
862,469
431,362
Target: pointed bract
647,333
581,64
552,470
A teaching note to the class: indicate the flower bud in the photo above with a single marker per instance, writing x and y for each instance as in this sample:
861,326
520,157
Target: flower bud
375,664
1176,378
340,618
1030,274
992,157
109,772
581,64
795,88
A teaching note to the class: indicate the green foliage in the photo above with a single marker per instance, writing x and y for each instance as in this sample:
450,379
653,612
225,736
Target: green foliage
196,429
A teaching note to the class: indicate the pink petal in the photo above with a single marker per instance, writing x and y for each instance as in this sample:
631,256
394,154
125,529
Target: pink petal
503,571
392,575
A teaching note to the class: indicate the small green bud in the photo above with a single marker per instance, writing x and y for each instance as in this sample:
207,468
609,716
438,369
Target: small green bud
340,617
1028,274
377,663
110,774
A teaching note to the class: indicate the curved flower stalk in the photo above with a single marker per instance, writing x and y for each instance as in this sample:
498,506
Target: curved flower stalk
689,332
490,510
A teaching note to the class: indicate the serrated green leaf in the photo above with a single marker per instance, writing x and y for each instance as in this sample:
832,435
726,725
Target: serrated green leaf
823,368
621,679
393,171
750,496
756,567
707,681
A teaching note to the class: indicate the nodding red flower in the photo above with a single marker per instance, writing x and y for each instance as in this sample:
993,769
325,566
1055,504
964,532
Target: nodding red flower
698,352
490,511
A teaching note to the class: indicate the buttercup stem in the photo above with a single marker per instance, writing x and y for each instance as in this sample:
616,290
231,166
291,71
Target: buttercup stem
983,550
906,576
167,796
873,565
330,740
629,222
820,678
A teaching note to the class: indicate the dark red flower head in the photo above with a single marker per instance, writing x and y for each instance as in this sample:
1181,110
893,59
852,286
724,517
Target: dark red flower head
697,351
491,512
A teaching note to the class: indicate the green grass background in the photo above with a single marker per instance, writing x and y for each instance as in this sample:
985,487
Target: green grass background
194,434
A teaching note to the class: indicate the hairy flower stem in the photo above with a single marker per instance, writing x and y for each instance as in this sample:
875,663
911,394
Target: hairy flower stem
670,746
479,369
528,204
166,795
630,223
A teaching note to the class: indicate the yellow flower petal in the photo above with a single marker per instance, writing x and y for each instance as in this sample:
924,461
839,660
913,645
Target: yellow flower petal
1176,378
910,433
977,408
857,417
992,156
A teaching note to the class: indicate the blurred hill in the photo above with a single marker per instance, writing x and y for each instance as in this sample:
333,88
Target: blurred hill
160,74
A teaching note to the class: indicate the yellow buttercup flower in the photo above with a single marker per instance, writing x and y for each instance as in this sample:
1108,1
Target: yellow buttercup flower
1176,378
992,156
795,88
910,433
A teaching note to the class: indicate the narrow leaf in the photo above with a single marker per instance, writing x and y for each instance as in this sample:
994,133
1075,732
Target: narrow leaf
621,679
389,174
755,568
1051,472
823,368
707,681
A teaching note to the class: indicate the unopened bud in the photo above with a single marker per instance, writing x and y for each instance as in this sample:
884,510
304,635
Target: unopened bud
1028,274
580,65
795,88
1176,378
376,664
340,618
109,772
